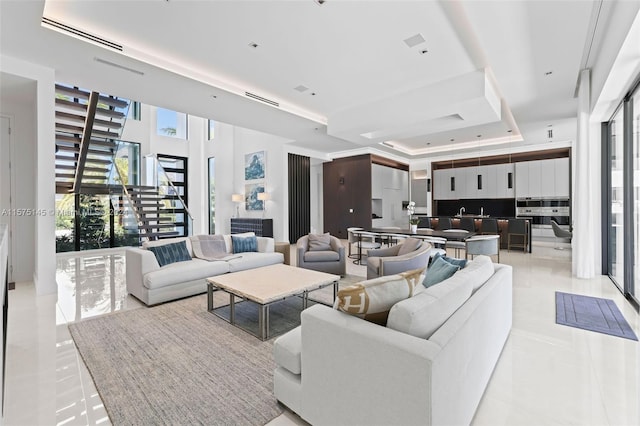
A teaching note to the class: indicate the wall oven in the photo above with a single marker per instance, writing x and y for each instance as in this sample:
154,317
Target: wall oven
543,211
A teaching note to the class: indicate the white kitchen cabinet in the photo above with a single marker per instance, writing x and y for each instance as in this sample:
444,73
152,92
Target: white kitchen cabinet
442,184
547,178
562,177
470,177
460,183
535,181
377,180
489,182
522,179
506,181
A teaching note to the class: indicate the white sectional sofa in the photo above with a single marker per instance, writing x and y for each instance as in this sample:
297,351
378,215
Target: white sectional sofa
153,284
338,369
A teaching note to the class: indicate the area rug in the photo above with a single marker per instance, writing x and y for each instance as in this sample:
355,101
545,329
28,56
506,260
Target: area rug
592,313
177,363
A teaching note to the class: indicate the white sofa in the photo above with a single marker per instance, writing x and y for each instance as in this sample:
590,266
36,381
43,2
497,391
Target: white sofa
337,369
153,284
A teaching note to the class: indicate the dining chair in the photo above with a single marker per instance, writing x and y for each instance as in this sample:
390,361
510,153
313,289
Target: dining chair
488,245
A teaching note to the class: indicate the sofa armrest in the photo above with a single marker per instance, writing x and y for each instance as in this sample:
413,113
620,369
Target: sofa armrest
266,244
366,373
336,245
139,262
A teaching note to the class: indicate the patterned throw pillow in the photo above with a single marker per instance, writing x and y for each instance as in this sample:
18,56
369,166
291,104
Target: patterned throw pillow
319,242
170,253
244,244
438,271
372,299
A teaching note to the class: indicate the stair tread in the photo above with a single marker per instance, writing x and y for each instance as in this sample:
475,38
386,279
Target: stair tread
83,94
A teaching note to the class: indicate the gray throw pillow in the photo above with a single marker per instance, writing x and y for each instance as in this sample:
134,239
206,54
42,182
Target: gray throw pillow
319,242
409,245
439,271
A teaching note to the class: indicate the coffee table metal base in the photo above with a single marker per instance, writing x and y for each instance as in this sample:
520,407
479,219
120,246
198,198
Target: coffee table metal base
263,309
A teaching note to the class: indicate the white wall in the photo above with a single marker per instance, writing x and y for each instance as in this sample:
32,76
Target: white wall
41,247
23,139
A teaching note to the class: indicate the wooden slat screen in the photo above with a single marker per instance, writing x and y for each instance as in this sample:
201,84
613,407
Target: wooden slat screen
299,196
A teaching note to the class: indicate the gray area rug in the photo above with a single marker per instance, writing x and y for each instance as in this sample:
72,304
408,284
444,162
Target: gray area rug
178,364
592,313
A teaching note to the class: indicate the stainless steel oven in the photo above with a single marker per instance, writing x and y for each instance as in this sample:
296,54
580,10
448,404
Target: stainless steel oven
542,210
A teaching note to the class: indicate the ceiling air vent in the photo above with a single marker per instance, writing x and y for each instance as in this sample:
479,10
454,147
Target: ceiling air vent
80,34
550,133
261,99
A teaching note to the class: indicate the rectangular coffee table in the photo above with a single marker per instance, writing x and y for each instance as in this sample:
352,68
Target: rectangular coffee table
265,286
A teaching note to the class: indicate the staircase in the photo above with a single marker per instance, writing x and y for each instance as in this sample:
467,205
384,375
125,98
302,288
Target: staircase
87,126
155,218
88,130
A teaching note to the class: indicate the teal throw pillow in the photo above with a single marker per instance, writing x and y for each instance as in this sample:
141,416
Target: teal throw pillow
244,244
171,253
439,271
452,260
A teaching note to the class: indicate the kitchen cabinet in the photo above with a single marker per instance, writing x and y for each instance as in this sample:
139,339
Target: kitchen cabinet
505,184
419,188
562,177
543,178
442,184
469,176
489,175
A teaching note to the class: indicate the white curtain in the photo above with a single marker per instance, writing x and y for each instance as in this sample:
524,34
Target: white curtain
587,234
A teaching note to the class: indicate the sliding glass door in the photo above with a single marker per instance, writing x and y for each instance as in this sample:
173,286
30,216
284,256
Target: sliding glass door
634,105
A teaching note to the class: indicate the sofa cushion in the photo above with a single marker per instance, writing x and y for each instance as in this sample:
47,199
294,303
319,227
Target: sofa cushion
165,241
409,245
372,299
195,269
287,350
171,253
253,260
478,271
452,260
319,242
424,313
244,244
438,271
321,256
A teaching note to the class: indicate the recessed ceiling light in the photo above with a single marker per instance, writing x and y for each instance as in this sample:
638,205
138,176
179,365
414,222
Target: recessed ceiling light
549,125
509,131
301,88
253,45
478,136
428,143
214,96
424,51
319,2
451,140
313,93
414,40
548,73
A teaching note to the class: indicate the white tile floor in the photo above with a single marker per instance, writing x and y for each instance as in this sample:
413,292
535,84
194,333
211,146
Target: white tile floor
547,375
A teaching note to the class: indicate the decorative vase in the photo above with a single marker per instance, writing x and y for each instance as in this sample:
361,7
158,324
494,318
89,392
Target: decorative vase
414,229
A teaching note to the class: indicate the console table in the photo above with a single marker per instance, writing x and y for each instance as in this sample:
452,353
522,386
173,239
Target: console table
262,227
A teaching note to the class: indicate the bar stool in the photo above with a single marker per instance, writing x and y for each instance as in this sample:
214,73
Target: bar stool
517,228
468,224
443,223
489,226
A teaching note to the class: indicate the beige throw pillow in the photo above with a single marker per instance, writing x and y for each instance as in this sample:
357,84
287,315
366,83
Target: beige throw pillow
409,245
319,242
372,299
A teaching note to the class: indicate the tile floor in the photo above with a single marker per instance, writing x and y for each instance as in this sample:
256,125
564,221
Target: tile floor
547,375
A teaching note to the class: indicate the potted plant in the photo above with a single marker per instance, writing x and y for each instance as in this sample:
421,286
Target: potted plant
413,221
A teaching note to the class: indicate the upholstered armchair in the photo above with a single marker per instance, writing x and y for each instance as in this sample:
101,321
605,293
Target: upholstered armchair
411,254
324,258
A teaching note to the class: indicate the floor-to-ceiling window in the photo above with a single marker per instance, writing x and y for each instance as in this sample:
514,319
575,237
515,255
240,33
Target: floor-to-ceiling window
635,113
212,196
616,225
622,158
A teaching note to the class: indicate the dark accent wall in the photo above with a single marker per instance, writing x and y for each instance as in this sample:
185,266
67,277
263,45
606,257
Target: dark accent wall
299,168
347,185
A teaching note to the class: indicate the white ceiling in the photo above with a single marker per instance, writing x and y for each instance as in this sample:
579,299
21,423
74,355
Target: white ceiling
483,74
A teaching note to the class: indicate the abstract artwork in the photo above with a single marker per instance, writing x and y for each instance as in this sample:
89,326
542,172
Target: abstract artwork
251,191
254,165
